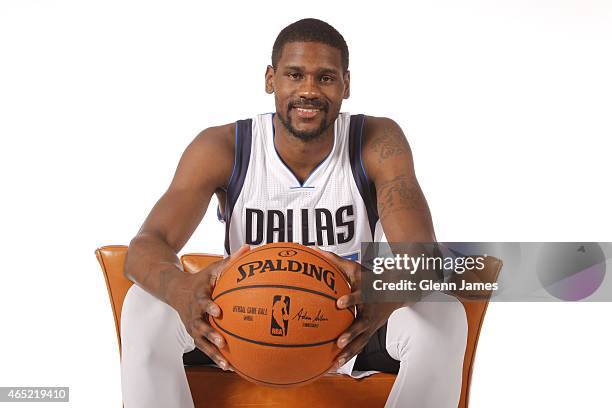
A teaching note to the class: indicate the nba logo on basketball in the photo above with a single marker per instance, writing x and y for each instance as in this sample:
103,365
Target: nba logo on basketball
280,315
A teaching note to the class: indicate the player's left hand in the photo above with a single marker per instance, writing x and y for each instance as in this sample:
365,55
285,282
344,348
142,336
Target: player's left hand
370,316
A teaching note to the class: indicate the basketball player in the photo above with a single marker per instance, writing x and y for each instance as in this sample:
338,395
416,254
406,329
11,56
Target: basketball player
306,173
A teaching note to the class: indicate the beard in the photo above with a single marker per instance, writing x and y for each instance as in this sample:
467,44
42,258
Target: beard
301,134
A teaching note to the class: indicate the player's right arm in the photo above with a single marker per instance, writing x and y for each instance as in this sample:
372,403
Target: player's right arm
152,261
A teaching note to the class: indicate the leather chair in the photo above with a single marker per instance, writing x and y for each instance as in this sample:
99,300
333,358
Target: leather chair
211,387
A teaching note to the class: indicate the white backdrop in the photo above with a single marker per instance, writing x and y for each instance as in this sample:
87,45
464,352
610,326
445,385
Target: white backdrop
506,105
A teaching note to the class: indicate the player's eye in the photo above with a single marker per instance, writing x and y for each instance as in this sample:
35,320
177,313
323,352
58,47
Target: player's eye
294,75
327,78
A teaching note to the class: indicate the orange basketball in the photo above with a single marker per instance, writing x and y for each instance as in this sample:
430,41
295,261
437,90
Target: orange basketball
279,315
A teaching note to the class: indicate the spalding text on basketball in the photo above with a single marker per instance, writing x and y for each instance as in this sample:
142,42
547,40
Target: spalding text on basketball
319,273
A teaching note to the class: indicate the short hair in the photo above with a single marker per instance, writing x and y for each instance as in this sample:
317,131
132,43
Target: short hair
310,30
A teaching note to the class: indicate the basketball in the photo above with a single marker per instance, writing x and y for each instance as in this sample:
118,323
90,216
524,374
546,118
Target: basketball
279,315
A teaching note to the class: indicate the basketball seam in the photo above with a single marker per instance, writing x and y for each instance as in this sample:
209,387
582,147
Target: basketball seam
262,343
274,286
282,287
271,383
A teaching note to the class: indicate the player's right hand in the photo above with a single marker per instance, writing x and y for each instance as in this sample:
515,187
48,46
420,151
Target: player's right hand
190,296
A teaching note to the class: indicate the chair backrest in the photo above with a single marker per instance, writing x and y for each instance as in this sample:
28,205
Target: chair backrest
112,259
475,304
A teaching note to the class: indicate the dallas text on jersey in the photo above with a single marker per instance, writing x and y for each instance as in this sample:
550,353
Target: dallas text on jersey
330,229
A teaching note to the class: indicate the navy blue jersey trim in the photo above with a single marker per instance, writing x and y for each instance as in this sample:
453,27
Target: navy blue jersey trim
366,188
244,133
219,216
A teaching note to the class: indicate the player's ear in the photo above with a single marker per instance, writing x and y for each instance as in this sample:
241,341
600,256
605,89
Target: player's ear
270,79
347,84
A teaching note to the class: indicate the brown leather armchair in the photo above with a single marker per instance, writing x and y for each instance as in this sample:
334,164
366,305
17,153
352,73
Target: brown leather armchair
212,387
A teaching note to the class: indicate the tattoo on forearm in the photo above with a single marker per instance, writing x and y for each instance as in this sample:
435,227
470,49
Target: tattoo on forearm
165,277
389,143
400,193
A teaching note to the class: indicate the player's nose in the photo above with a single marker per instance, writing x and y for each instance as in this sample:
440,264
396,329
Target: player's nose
309,88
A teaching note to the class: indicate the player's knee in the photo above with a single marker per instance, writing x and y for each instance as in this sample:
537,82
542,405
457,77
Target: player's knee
452,324
433,328
147,323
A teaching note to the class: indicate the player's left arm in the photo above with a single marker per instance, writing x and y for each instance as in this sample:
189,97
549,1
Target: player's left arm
402,208
401,204
403,213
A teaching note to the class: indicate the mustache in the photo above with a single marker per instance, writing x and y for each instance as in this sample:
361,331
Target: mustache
308,104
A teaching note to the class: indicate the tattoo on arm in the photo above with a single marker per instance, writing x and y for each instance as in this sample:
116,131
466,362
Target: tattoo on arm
165,277
389,143
399,193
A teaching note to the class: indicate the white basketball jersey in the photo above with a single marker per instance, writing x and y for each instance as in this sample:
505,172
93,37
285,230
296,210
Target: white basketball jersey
334,209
